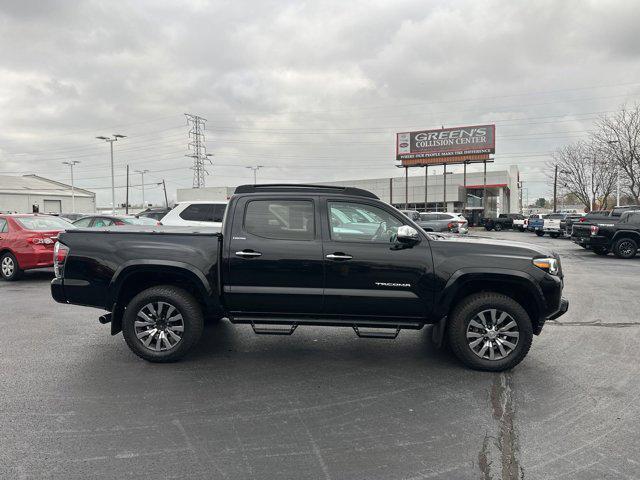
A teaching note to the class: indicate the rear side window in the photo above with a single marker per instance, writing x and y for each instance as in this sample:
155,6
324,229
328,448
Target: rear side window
280,219
83,222
204,212
444,216
3,225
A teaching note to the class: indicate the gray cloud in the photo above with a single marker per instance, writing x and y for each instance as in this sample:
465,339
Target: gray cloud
311,90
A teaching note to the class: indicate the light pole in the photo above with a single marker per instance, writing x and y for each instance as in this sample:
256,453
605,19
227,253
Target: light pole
73,187
113,188
142,172
611,142
255,172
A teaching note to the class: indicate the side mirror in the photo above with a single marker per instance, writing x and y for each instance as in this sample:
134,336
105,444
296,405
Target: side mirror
407,235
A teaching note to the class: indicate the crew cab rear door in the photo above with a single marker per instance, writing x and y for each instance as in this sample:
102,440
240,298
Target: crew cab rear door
275,264
367,275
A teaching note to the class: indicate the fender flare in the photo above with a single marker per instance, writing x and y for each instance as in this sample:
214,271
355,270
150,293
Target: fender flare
626,233
466,275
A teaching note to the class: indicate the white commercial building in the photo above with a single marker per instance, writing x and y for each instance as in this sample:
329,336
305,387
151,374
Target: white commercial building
24,194
462,194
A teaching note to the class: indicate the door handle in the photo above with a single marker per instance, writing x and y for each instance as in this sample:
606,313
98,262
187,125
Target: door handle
248,254
339,256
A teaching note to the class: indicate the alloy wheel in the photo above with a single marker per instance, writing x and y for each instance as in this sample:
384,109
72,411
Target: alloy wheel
626,248
159,326
492,334
8,267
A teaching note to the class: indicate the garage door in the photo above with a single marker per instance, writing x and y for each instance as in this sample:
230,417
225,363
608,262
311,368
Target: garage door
52,206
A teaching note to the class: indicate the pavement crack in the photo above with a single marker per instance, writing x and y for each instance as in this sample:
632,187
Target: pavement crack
594,323
506,442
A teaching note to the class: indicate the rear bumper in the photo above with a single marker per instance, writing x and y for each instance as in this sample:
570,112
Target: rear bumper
57,290
596,241
562,309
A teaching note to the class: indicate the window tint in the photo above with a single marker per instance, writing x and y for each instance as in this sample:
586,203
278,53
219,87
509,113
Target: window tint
280,219
83,222
102,222
204,212
44,223
444,216
3,225
427,217
347,225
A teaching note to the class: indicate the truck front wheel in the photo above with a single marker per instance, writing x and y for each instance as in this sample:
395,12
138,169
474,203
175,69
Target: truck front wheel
489,331
497,227
162,323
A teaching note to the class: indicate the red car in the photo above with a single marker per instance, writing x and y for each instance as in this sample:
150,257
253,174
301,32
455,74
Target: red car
27,241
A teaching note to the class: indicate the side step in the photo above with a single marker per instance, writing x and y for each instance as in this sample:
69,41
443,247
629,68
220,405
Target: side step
391,335
273,329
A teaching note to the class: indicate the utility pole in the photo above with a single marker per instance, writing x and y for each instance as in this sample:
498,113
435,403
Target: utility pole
73,187
611,142
164,186
197,149
484,191
126,205
142,172
255,172
112,139
464,182
444,191
391,191
555,188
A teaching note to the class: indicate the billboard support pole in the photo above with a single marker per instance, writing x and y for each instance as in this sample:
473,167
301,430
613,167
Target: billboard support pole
484,191
464,182
426,186
391,191
444,192
406,188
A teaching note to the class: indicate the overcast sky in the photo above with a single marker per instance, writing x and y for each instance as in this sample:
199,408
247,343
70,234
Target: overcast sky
313,91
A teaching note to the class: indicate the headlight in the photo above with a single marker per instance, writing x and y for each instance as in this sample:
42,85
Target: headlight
549,265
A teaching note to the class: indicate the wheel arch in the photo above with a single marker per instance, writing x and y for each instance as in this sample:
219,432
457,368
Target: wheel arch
134,277
626,234
515,284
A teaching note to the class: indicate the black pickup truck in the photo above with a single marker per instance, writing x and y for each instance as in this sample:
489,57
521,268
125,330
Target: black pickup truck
504,221
621,237
292,255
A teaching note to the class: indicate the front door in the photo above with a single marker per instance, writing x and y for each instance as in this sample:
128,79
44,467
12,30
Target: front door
367,272
275,257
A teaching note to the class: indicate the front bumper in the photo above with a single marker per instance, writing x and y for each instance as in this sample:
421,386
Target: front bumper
564,306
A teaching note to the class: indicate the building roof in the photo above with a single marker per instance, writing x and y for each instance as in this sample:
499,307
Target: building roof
36,185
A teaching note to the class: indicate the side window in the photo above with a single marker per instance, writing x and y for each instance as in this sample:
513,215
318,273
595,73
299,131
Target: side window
280,219
444,216
345,226
203,212
3,225
83,222
102,222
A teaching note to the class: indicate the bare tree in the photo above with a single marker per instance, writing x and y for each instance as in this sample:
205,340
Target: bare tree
619,135
586,172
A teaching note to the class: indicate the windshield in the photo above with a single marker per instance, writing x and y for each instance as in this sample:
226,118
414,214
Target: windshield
42,224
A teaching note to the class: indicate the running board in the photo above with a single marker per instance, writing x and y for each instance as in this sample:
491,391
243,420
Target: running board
273,329
391,335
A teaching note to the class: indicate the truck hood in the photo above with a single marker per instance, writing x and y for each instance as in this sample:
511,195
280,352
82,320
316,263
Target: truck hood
492,246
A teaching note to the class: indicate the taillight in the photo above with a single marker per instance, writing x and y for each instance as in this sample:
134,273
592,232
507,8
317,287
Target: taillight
594,229
60,254
40,241
582,219
119,223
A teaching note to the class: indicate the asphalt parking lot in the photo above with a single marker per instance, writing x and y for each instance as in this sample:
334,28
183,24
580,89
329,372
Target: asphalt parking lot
323,404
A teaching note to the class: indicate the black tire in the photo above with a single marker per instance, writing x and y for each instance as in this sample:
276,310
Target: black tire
488,228
625,248
185,304
9,268
554,235
466,311
497,227
539,233
601,251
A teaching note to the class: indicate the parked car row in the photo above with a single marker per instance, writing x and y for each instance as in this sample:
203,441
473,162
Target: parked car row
439,221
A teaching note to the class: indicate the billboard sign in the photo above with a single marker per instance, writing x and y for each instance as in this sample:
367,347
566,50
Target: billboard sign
446,142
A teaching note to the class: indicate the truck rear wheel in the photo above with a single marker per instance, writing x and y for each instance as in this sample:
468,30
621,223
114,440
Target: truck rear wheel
600,250
489,331
540,233
554,234
625,248
497,227
162,323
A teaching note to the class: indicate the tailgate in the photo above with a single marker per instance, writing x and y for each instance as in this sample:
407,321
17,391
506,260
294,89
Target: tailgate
581,230
552,224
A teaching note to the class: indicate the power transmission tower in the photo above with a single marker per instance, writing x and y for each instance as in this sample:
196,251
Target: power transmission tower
198,149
